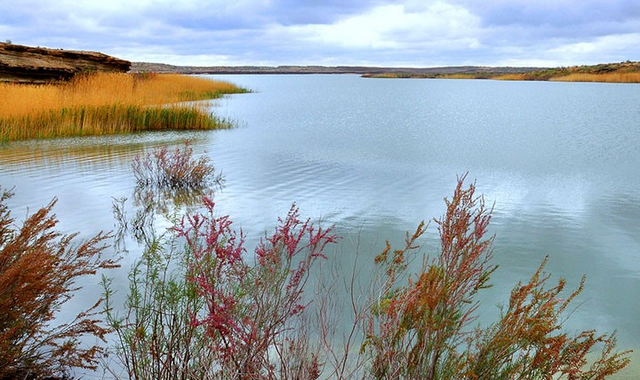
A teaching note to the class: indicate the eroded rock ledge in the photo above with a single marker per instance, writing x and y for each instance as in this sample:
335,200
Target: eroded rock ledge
25,64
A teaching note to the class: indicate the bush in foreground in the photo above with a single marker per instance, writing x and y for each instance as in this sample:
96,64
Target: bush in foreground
212,311
420,328
38,270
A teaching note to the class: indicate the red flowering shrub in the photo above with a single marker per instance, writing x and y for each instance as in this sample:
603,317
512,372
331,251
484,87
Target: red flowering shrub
254,309
223,313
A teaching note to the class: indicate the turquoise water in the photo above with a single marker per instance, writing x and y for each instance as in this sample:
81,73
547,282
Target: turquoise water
559,162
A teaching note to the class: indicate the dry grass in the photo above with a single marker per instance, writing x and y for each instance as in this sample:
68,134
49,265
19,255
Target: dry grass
570,75
512,77
107,103
608,77
458,76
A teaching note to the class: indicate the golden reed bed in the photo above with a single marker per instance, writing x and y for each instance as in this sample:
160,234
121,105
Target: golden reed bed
108,103
580,77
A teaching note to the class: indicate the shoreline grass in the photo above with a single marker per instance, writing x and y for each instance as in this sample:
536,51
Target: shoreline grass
615,77
624,72
109,103
549,75
608,78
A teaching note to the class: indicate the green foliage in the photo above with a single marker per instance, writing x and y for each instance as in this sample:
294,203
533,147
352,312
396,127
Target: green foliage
208,311
204,310
156,338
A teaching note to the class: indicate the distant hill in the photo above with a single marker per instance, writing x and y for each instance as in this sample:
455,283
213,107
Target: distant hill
40,65
624,72
362,70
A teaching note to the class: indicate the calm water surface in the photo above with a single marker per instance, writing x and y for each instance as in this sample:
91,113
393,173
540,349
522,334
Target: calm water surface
560,162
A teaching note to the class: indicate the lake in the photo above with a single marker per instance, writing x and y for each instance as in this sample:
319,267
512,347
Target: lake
559,162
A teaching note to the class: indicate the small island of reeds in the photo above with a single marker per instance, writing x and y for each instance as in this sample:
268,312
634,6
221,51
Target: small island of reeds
109,103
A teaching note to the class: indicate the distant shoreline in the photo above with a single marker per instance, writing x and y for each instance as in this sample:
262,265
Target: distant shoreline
25,64
138,67
623,72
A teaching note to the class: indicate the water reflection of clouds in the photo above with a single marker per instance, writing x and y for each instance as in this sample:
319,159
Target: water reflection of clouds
618,224
586,227
541,199
596,219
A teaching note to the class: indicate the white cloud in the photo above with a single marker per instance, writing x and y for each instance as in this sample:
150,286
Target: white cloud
611,48
367,32
181,60
605,44
394,26
85,24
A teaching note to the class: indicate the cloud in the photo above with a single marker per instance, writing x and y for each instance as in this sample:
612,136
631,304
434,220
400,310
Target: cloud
371,32
559,13
392,29
296,12
614,46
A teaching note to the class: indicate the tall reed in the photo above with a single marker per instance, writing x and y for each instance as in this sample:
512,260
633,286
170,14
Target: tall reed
616,77
108,103
519,76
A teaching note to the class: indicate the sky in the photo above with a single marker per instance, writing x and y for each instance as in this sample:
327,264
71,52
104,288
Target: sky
401,33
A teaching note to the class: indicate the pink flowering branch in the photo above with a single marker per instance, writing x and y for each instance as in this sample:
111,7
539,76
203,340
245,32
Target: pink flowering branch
254,310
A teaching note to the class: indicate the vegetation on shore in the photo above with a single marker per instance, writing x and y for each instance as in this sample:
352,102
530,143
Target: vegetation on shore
624,72
213,310
109,103
471,75
201,306
39,267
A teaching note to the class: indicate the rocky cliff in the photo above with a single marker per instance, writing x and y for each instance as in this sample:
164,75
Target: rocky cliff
27,64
